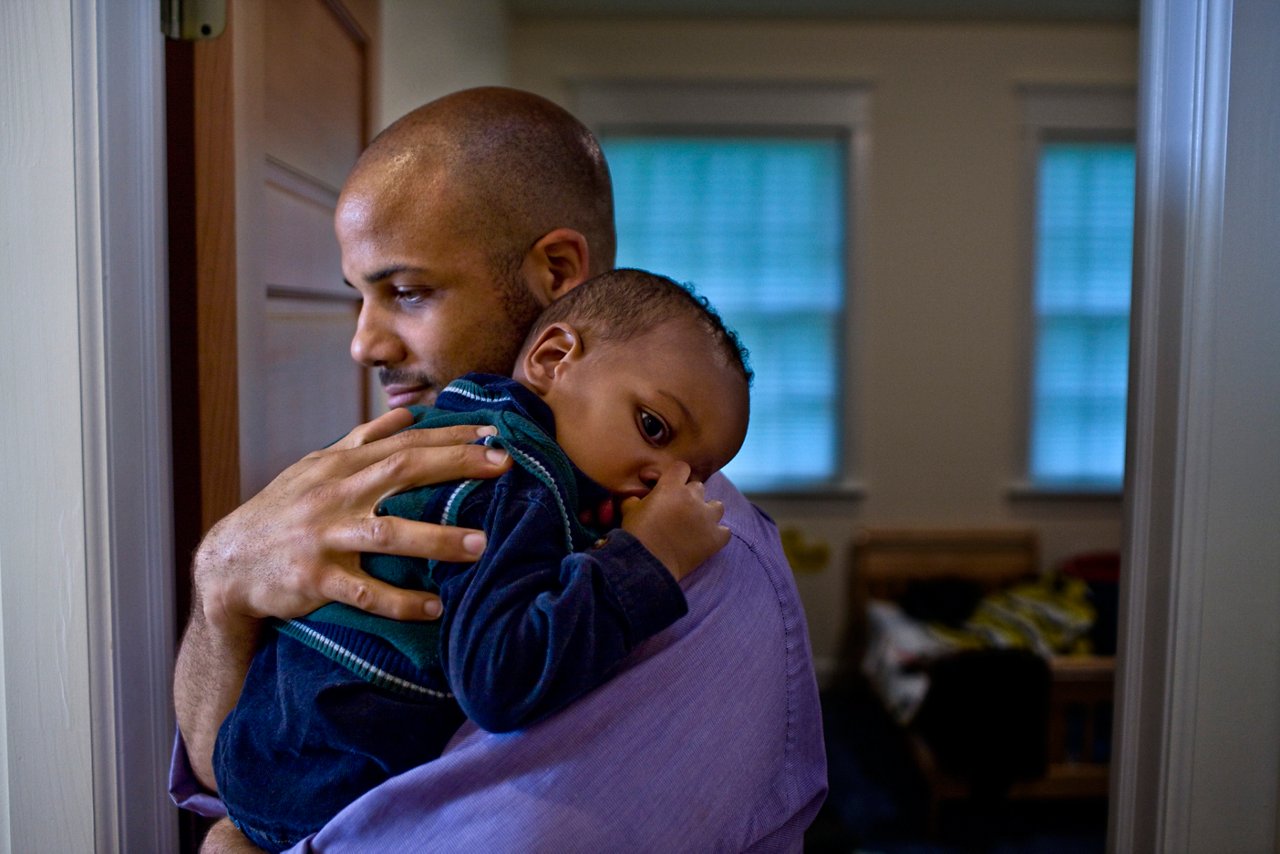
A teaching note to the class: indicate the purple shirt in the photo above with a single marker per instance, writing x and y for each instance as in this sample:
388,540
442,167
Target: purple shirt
709,738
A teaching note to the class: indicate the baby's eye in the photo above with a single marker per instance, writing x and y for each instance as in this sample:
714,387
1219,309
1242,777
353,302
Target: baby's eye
653,427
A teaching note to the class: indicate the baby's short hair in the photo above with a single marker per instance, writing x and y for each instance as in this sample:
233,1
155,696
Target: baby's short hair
623,303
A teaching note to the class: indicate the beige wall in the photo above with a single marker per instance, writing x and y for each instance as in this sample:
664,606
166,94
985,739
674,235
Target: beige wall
433,48
940,352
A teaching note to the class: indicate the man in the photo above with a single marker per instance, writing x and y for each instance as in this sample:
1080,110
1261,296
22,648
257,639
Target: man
458,224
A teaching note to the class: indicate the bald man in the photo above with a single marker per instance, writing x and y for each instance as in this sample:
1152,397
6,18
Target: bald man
457,225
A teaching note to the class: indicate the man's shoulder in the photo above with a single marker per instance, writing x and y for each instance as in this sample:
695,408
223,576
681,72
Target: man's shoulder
749,580
754,536
746,520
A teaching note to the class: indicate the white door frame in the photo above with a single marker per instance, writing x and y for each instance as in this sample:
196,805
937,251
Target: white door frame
1198,717
125,386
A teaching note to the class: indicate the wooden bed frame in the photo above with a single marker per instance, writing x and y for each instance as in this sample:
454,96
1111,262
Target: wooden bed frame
884,561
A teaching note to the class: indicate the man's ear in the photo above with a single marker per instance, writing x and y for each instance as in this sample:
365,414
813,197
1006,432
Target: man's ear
556,347
557,263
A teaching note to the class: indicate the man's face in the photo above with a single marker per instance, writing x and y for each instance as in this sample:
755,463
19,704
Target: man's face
626,410
431,308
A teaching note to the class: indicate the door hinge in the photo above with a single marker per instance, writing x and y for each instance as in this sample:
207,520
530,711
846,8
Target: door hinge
193,20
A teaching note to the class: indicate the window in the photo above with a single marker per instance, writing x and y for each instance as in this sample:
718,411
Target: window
1084,238
714,188
1082,279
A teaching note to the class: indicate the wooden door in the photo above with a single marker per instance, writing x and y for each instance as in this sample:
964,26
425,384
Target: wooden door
265,121
305,120
302,390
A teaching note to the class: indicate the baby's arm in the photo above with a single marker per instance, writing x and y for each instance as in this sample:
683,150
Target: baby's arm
528,630
676,522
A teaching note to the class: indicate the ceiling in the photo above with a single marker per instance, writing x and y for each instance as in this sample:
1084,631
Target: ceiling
931,10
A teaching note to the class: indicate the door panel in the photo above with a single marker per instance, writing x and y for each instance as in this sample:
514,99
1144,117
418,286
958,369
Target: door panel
315,88
300,390
299,250
306,348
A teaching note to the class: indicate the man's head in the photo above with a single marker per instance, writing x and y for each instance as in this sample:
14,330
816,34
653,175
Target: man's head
459,223
639,372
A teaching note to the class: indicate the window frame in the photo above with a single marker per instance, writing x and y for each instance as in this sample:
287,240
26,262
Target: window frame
1053,114
773,109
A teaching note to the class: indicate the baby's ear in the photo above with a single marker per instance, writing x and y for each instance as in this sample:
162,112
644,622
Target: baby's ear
554,348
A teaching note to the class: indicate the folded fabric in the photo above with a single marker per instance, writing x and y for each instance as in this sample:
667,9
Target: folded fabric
1050,616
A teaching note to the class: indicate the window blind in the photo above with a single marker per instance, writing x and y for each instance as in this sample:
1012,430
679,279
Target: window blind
1083,279
757,226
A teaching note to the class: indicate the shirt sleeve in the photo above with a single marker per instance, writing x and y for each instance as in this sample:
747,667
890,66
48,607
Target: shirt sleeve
184,790
709,738
527,630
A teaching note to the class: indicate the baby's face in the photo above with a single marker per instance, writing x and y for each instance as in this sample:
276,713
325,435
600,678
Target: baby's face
626,410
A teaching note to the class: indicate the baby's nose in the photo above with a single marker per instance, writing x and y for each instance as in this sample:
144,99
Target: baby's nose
649,477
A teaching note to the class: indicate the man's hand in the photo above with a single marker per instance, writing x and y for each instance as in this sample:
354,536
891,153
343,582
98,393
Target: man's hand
296,545
676,522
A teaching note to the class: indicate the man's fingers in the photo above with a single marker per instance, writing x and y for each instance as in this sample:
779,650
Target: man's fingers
385,435
377,597
393,535
386,424
405,468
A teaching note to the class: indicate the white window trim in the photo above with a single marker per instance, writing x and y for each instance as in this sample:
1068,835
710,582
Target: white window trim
727,106
1054,113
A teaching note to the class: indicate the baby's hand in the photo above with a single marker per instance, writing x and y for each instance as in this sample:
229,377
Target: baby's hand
676,522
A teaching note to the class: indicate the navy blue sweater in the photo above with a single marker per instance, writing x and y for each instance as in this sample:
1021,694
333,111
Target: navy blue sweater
547,612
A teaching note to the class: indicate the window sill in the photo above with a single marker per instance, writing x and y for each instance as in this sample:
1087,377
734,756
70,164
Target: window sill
1080,492
843,491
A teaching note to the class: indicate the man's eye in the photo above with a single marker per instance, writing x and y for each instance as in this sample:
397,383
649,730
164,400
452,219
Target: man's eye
412,296
653,427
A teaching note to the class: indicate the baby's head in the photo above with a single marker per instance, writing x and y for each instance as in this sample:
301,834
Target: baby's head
639,373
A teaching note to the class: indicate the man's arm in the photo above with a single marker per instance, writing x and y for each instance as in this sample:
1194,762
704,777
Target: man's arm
296,545
224,838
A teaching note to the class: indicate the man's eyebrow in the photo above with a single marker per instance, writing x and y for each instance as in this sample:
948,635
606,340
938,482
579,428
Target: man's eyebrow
386,273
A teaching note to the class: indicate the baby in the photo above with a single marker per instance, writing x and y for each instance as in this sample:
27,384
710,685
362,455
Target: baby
627,389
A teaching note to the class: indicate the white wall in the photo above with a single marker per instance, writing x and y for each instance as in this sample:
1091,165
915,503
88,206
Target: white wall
431,49
45,777
942,305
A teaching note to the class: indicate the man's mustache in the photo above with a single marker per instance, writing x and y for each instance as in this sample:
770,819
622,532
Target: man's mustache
400,376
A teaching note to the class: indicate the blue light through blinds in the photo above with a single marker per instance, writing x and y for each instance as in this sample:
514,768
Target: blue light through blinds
1083,282
757,226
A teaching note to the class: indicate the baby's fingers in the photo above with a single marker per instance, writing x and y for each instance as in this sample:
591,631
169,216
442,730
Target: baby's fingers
716,509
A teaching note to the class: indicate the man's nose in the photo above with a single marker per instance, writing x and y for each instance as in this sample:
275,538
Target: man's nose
375,343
